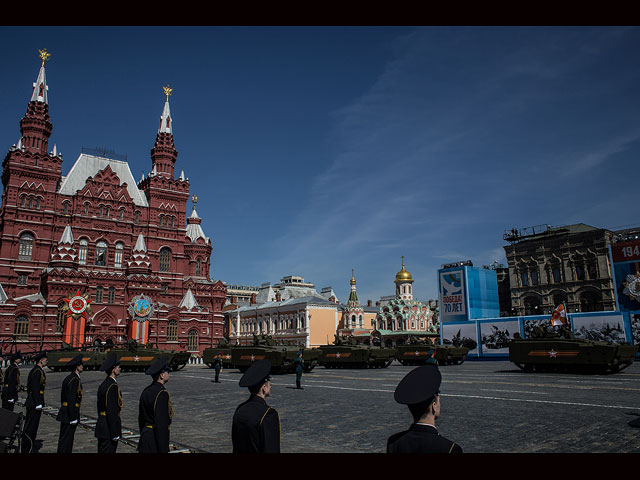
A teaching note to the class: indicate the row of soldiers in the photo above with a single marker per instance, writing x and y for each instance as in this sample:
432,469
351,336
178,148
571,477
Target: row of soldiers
255,427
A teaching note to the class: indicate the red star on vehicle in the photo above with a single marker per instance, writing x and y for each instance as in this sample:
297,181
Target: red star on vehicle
553,353
253,358
338,355
136,358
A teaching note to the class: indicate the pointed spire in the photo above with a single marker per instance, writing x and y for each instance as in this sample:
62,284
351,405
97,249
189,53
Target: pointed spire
164,153
40,87
55,150
140,245
188,301
154,172
142,178
67,236
182,175
20,147
165,119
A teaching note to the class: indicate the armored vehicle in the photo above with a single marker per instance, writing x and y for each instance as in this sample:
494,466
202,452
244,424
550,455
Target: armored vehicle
416,352
281,356
224,348
346,352
548,351
132,356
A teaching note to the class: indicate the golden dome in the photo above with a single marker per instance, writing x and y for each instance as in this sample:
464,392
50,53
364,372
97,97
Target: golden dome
403,276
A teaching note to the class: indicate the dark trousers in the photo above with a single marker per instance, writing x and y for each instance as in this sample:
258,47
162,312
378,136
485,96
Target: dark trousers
298,378
7,405
217,374
106,445
65,441
31,425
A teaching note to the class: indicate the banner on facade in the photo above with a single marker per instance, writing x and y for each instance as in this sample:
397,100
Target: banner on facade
76,309
626,269
452,294
141,309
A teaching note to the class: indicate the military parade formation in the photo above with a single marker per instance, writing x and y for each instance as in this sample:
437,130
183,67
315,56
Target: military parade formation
255,424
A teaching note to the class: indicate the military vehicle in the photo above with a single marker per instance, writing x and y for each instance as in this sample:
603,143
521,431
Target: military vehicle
416,352
346,352
559,351
281,356
223,347
132,356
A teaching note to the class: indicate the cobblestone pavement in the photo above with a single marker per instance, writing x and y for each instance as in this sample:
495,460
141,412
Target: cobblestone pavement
487,407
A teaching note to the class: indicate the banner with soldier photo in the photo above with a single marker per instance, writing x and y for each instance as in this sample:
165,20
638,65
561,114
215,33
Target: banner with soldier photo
464,334
496,335
600,326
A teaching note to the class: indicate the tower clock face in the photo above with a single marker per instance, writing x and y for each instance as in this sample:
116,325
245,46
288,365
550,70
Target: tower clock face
77,304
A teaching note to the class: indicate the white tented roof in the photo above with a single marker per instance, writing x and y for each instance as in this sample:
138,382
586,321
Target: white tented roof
88,166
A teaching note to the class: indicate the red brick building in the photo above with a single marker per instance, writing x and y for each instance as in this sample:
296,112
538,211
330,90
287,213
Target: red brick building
98,233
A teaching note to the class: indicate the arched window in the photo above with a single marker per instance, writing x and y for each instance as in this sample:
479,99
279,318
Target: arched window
98,294
192,340
590,302
86,208
165,260
82,251
361,321
532,306
38,203
25,247
172,331
101,253
136,217
21,328
111,295
198,267
62,316
119,251
23,200
65,208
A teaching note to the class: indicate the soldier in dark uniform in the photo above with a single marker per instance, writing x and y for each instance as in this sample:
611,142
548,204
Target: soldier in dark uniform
419,390
70,400
430,358
155,410
36,383
109,426
299,364
256,426
11,383
217,365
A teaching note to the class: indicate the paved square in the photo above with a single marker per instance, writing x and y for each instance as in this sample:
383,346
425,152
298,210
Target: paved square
487,406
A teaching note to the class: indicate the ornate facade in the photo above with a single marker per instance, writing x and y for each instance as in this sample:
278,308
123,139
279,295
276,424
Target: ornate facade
99,234
549,266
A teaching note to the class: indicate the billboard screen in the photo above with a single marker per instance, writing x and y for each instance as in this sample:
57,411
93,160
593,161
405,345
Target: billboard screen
452,295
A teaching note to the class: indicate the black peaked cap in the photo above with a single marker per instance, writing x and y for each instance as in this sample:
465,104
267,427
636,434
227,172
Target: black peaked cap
110,362
256,374
158,366
39,356
419,385
77,360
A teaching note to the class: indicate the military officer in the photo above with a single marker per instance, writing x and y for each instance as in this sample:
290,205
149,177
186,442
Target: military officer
299,364
217,365
419,390
109,426
70,400
256,426
36,383
430,358
155,410
11,383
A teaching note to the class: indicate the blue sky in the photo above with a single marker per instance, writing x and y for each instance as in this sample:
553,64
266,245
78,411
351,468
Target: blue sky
315,150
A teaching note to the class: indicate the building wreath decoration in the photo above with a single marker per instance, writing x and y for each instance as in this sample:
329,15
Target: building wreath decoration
76,310
632,287
141,308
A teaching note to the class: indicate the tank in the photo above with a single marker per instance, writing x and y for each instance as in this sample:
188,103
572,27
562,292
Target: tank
281,356
223,347
559,351
132,356
346,352
416,352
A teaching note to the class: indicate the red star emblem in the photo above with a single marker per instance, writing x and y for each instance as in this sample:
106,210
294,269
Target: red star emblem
416,353
136,358
227,356
253,358
338,355
553,353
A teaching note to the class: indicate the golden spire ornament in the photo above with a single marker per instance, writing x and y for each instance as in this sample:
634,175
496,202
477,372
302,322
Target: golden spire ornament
44,55
194,199
167,91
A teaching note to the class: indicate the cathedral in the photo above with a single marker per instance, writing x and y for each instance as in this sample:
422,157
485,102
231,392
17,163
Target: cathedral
95,257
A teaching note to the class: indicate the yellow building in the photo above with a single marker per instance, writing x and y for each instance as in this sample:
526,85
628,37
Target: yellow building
310,321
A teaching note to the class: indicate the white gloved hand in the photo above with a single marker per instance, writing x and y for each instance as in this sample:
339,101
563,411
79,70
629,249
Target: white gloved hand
11,401
38,407
116,438
74,422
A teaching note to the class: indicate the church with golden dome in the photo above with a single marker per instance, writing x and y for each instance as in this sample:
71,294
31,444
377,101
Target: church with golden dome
404,316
